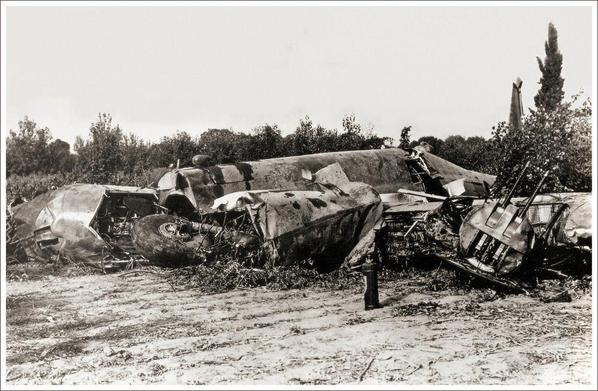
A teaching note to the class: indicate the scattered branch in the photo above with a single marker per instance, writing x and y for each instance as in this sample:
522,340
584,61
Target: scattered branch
367,368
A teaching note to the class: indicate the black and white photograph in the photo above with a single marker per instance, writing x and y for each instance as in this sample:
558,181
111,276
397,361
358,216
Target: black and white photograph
298,195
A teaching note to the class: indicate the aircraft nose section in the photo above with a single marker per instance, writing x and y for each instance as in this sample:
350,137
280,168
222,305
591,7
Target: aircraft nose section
175,185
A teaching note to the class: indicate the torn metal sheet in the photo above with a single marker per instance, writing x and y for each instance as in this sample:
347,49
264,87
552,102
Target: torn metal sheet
82,222
325,222
263,188
413,207
439,176
466,187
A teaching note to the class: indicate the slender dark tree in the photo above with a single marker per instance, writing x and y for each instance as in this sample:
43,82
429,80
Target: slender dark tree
405,139
515,116
551,92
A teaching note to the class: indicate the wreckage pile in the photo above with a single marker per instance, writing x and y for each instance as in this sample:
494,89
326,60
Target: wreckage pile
315,222
318,226
440,233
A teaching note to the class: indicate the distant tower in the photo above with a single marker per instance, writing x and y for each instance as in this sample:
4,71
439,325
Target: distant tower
516,105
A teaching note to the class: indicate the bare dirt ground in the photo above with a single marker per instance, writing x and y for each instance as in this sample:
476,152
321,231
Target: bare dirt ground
95,329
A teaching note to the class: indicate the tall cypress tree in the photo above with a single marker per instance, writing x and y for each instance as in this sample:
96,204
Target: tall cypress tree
551,92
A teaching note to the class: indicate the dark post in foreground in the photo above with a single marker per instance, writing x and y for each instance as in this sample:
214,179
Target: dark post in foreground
370,272
370,269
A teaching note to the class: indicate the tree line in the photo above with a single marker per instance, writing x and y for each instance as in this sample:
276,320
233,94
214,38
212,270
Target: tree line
110,155
109,152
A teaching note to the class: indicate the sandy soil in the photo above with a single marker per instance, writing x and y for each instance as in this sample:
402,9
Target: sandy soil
135,329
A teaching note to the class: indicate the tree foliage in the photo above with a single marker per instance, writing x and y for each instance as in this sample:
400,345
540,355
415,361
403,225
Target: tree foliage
551,92
108,155
27,149
221,145
135,154
473,153
30,149
100,157
355,137
61,158
559,141
266,142
179,147
557,137
311,139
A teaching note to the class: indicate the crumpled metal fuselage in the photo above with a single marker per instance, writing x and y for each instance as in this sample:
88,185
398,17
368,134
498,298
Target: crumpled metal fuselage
322,223
191,192
83,222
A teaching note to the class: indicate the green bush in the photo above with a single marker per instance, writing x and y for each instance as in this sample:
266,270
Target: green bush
29,186
559,141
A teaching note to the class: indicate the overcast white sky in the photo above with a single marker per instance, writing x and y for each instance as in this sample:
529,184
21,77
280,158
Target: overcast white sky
443,70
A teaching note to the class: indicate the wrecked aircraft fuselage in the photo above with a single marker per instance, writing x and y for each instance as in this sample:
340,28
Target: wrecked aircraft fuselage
82,222
85,227
277,227
191,190
313,226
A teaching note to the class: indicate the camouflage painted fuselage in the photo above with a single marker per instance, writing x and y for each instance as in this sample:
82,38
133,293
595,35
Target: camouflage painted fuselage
386,170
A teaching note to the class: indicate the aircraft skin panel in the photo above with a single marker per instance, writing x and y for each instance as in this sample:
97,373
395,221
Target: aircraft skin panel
385,170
